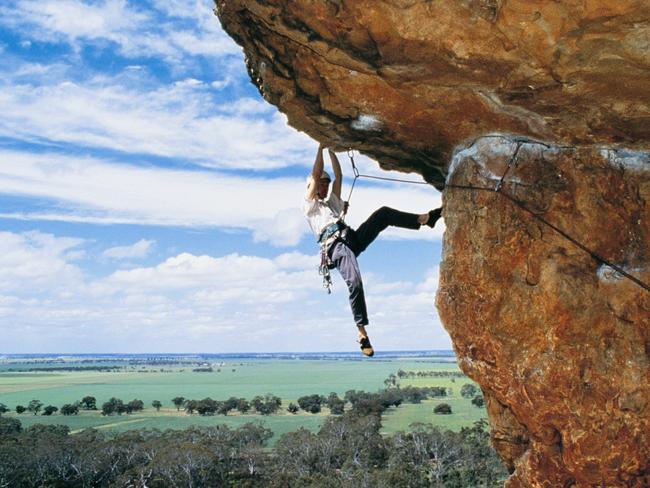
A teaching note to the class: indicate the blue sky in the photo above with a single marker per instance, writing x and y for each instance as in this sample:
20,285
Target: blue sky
150,199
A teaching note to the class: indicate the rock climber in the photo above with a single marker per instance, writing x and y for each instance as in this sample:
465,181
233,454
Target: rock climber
340,244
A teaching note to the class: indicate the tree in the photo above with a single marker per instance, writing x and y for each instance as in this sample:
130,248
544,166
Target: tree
3,408
368,407
207,406
178,402
190,405
134,406
311,403
89,403
437,391
50,409
335,404
113,406
243,405
442,409
35,406
293,408
266,405
337,408
156,404
20,409
478,401
391,380
9,426
468,390
413,394
228,405
70,409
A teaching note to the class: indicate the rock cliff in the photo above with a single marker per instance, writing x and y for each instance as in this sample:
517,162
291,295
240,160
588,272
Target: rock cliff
550,102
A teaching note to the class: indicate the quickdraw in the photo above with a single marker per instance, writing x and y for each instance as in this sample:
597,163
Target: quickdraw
324,269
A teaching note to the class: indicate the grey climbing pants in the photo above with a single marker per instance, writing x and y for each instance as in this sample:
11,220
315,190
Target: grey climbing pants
345,250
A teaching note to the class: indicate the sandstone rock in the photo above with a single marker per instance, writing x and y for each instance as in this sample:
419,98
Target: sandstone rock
559,342
405,81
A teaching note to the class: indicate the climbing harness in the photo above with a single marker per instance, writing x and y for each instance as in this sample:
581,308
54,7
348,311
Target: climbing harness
498,189
328,237
333,232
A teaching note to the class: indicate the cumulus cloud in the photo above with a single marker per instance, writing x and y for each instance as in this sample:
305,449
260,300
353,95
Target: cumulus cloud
102,191
37,261
140,249
138,31
189,302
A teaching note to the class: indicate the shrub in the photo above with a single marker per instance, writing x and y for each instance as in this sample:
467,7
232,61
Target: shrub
266,405
178,402
478,401
468,390
50,409
35,406
70,409
20,409
442,409
292,408
89,403
134,405
9,426
310,403
337,407
243,405
113,406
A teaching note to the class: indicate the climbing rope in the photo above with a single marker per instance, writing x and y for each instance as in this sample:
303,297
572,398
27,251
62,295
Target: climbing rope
597,257
358,175
498,189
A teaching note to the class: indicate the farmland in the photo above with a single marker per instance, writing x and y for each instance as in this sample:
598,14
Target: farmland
243,378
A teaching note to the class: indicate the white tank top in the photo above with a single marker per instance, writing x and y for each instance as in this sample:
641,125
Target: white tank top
322,213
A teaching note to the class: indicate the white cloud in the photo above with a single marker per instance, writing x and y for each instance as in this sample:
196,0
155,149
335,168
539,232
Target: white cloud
176,121
195,303
37,261
136,31
139,249
100,191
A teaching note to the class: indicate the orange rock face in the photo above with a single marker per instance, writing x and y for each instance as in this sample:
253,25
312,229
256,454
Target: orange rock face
559,341
405,81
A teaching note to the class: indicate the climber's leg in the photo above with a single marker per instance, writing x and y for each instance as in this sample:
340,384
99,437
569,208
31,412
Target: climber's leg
379,220
346,262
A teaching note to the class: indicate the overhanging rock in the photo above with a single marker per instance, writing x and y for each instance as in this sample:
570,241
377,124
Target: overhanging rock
406,81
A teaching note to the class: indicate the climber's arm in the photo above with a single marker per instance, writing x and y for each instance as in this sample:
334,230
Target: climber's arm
338,174
312,186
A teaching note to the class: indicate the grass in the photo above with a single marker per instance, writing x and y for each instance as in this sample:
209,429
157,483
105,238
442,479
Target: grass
288,379
279,424
285,378
464,414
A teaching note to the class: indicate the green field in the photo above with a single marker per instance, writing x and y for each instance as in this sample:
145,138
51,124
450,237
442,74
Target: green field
288,379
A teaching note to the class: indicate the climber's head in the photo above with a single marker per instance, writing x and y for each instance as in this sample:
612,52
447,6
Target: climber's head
323,184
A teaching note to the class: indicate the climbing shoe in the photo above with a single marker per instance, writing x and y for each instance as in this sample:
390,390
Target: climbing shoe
434,215
366,347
